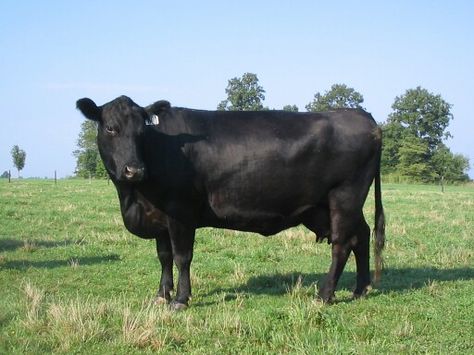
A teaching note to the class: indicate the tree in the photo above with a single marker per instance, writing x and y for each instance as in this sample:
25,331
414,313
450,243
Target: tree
100,171
424,115
339,96
413,139
243,94
87,156
393,136
19,157
413,152
457,168
4,175
290,108
449,166
417,115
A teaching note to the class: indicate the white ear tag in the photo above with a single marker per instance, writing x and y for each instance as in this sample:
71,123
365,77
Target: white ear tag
155,120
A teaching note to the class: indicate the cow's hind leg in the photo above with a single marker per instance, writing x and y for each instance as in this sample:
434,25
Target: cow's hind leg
361,252
343,207
165,255
340,253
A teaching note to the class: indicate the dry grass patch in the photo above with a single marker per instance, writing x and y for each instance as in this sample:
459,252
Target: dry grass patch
74,263
404,329
239,273
146,328
297,233
29,246
76,321
455,257
33,298
69,323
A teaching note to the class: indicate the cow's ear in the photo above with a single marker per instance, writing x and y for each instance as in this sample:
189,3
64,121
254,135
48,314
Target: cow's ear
158,107
89,109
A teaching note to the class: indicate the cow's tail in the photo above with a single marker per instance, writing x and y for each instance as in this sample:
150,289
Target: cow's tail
379,228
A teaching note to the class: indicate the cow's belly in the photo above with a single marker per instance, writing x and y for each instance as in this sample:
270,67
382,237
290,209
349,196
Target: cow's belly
267,208
259,219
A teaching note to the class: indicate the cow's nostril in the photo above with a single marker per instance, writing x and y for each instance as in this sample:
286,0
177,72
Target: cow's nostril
130,170
133,173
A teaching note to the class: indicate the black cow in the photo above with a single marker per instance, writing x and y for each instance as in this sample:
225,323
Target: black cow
177,169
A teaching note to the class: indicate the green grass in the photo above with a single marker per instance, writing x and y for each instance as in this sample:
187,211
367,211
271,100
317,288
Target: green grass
73,280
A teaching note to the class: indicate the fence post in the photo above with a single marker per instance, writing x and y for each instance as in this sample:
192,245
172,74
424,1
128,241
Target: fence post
55,178
9,176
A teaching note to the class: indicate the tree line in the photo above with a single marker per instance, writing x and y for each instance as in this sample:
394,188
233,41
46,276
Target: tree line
414,134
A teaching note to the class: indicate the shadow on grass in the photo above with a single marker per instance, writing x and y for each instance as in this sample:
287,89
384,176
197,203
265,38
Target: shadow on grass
51,264
10,244
393,280
400,280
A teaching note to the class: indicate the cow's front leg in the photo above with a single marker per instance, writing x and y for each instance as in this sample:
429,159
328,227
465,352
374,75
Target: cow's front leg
165,255
182,243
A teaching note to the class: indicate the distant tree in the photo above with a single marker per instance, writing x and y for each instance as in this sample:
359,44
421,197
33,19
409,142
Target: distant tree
87,163
339,96
457,168
19,157
290,108
413,139
243,94
87,154
4,175
100,171
449,166
424,115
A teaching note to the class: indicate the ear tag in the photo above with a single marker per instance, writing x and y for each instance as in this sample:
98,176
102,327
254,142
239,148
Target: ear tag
155,120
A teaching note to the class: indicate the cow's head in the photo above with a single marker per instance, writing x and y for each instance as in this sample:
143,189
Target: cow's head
121,125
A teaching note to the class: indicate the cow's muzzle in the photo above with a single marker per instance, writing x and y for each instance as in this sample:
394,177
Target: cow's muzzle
133,173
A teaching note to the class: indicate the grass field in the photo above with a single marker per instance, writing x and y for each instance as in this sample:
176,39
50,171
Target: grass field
73,280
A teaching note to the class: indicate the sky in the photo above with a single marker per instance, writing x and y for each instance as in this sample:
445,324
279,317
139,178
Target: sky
55,52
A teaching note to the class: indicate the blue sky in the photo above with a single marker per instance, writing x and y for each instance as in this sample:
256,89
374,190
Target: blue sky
54,52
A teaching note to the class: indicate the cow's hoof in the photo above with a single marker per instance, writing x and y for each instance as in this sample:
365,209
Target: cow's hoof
357,295
160,301
178,306
327,299
360,294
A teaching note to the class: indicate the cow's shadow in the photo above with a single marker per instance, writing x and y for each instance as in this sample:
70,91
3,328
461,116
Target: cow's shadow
56,263
393,280
10,244
405,279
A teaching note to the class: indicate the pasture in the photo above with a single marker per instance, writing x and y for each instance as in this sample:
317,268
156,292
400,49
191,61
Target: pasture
72,279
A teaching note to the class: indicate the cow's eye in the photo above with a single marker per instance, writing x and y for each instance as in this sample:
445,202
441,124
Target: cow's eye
110,130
